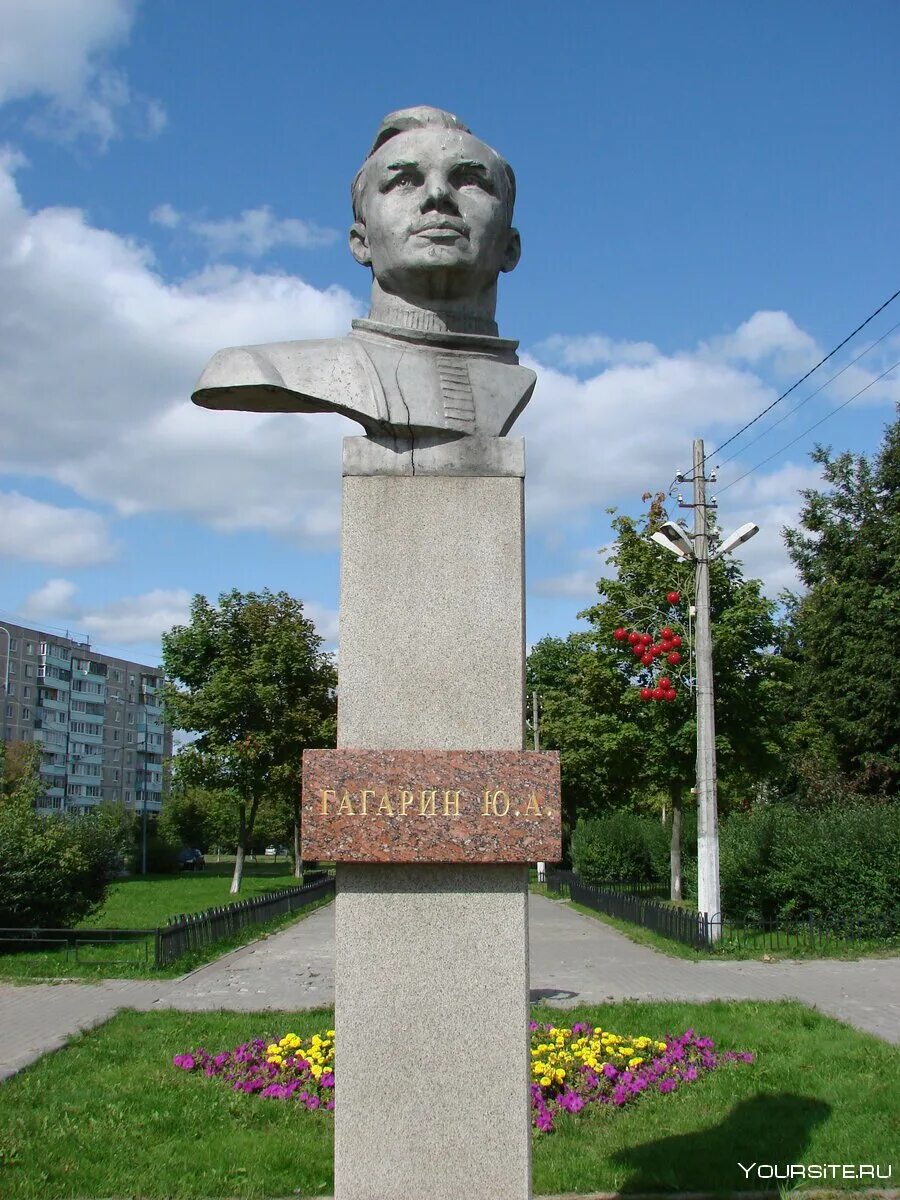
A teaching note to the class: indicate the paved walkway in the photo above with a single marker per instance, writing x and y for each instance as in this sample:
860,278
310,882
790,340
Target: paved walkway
574,959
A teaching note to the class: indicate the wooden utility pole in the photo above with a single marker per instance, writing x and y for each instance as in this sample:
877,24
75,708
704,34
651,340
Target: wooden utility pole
709,898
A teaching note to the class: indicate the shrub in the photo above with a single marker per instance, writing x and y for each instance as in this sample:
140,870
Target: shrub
55,870
839,865
612,849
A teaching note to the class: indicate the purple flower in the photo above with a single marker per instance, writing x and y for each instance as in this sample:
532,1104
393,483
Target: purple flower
186,1061
619,1096
667,1085
610,1071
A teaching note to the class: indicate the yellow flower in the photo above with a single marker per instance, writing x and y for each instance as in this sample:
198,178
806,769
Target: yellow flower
546,1081
635,1062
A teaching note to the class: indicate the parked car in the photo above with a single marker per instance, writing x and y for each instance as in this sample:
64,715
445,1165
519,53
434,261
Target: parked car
191,860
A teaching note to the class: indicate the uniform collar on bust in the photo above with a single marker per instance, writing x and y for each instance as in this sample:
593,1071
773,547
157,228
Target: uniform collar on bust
476,342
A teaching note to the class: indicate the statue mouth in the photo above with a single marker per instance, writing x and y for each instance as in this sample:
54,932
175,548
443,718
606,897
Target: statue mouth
441,229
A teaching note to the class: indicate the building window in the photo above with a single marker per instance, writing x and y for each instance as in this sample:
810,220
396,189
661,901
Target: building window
29,671
130,734
10,710
131,718
13,645
29,647
115,735
26,714
26,692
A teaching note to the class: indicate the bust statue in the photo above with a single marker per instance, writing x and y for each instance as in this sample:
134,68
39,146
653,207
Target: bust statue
432,209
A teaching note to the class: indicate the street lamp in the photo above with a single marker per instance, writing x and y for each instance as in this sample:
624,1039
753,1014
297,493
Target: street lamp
3,629
695,548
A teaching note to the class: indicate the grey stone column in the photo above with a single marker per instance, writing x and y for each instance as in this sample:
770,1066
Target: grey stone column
432,1067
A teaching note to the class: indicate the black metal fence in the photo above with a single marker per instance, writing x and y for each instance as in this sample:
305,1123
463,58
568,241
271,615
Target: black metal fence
559,880
83,945
635,903
180,935
195,931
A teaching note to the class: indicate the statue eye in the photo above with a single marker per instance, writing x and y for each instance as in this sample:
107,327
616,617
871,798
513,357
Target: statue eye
405,179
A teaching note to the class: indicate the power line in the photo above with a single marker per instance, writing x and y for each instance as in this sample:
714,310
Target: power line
802,379
827,417
790,412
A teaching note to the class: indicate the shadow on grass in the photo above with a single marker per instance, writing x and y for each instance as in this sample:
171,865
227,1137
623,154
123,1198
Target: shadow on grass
774,1128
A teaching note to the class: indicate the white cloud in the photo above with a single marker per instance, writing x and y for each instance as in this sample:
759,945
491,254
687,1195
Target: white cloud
98,357
580,584
252,234
141,618
53,599
593,349
47,533
768,335
324,619
58,51
626,430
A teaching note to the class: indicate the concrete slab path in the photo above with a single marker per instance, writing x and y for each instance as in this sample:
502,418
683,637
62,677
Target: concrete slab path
574,959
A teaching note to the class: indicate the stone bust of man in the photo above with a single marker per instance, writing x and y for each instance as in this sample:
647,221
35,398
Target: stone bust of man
432,210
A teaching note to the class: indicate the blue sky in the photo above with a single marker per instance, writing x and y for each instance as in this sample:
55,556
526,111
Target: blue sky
707,202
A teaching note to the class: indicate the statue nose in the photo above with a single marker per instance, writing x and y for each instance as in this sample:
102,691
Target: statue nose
437,194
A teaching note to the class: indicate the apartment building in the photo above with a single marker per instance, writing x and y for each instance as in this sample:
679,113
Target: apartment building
97,718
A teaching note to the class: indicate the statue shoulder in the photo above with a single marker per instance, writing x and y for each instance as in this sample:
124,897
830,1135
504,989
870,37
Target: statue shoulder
325,375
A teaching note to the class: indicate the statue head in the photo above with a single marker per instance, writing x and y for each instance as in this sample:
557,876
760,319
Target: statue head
432,209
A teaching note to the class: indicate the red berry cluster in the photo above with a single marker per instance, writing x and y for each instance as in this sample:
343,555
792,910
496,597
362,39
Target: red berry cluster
648,651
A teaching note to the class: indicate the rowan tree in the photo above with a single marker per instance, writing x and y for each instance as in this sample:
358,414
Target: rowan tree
621,711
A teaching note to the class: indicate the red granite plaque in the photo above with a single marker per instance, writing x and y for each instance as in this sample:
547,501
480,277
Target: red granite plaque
440,806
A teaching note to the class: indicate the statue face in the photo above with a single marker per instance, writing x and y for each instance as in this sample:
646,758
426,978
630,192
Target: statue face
436,217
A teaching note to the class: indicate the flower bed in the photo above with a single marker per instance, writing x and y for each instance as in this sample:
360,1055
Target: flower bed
570,1068
282,1070
583,1065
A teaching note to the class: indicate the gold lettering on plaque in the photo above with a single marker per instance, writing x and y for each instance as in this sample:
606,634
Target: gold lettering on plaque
326,792
363,795
385,805
345,808
406,799
427,803
500,804
486,798
451,798
532,808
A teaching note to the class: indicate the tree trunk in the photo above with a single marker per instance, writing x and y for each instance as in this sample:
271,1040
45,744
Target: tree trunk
298,861
245,833
238,875
675,889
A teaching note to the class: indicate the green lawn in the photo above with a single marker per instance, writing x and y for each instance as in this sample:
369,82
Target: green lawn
145,901
747,947
109,1115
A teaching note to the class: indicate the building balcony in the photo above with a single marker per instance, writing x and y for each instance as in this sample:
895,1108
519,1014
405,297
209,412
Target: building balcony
57,655
53,769
52,681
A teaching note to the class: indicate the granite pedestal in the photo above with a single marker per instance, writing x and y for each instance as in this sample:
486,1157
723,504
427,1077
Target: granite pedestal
432,1068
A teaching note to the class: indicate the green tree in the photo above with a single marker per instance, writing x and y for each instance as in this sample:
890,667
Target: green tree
251,679
844,632
622,750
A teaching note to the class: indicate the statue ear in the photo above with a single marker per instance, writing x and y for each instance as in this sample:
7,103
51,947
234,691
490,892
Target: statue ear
513,251
359,244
